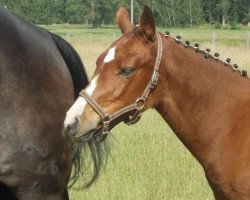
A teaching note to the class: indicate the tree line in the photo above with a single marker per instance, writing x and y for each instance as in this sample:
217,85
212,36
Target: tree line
168,13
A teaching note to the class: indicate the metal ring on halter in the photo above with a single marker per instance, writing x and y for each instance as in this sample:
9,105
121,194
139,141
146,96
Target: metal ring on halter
133,119
140,102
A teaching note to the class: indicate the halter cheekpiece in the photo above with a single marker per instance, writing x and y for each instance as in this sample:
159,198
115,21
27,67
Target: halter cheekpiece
131,113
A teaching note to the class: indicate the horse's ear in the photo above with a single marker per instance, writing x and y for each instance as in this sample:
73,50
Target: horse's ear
147,24
122,19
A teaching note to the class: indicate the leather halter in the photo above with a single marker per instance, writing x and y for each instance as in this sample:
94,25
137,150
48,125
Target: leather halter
131,113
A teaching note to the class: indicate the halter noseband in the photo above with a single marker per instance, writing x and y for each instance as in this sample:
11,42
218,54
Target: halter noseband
131,113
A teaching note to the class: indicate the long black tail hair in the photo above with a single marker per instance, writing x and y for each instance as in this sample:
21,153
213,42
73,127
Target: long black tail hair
98,151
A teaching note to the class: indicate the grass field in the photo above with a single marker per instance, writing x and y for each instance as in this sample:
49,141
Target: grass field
147,161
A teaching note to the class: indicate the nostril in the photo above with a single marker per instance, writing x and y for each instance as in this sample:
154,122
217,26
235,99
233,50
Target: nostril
73,126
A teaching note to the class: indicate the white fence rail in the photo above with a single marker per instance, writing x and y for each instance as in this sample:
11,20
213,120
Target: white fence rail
91,38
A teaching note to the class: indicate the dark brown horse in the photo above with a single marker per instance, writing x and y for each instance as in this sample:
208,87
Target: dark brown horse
204,100
40,74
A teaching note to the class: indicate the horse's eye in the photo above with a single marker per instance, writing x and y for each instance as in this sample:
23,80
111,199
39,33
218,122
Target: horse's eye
126,72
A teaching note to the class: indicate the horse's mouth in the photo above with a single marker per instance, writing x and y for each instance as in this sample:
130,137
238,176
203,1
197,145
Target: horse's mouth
84,137
95,135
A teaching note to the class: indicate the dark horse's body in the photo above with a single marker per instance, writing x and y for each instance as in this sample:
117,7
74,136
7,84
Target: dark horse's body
36,89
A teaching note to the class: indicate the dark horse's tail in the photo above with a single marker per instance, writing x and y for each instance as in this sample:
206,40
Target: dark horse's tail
80,81
73,61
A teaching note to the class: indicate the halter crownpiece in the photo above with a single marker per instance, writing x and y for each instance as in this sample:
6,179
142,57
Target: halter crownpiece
131,113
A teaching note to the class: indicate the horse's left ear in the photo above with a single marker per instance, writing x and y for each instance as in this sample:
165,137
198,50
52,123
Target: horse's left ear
122,19
147,24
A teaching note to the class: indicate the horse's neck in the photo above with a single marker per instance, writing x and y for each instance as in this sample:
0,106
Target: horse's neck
198,97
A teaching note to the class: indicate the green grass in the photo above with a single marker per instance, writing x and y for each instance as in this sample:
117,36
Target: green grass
146,160
222,36
201,35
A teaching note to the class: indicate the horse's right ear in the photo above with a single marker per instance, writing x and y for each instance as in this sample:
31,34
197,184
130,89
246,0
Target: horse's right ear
147,24
122,19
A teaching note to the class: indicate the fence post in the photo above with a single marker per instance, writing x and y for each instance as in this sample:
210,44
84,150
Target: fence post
248,39
90,38
68,37
213,39
114,37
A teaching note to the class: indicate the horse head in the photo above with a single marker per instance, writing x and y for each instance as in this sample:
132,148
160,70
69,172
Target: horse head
121,85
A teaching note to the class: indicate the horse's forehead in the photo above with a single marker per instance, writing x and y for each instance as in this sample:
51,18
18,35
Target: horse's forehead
110,55
112,51
122,48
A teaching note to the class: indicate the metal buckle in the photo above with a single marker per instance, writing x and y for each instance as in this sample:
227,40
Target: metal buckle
105,126
134,119
99,137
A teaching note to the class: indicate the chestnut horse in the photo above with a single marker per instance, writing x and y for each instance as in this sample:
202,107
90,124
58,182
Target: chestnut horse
205,101
40,76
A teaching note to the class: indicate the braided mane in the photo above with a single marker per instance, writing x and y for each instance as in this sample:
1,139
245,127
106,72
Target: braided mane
207,54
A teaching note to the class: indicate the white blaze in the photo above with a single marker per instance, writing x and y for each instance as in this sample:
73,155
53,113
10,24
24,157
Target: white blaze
78,107
110,55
